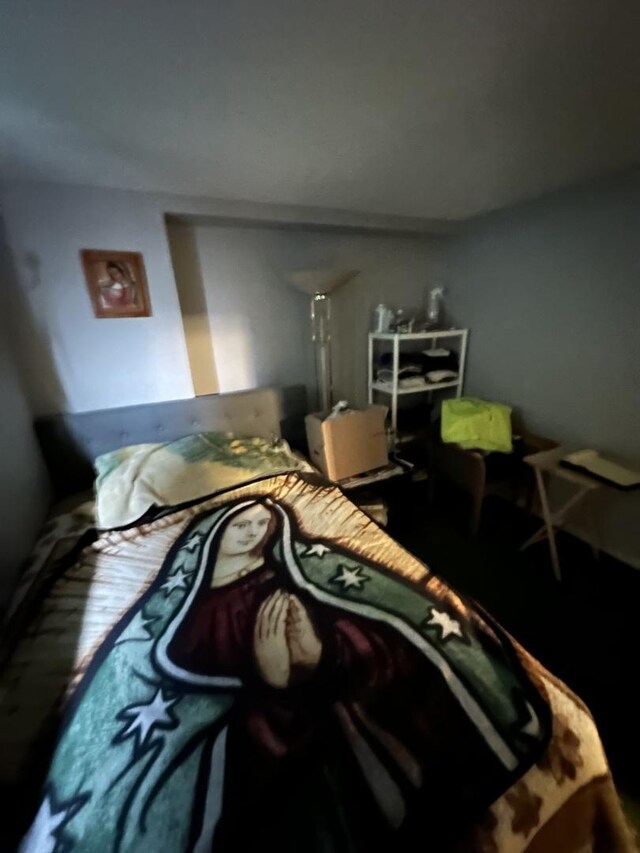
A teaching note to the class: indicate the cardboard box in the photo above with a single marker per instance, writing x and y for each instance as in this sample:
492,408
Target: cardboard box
349,444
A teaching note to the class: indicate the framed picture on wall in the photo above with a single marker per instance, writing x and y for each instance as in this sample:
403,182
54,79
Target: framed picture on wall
117,283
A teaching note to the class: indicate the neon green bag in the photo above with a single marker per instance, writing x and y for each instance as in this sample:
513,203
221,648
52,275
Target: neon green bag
478,424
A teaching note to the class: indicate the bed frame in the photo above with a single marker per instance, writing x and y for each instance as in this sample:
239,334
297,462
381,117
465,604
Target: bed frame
71,442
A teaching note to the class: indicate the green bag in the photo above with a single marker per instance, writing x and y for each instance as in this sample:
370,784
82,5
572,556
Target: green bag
476,424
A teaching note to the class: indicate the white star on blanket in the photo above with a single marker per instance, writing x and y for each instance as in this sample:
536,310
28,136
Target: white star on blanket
317,550
193,543
41,837
447,625
144,717
350,576
178,580
138,628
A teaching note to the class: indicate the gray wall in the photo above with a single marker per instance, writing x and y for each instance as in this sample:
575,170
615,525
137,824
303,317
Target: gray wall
95,363
395,270
24,488
260,324
193,306
551,293
74,362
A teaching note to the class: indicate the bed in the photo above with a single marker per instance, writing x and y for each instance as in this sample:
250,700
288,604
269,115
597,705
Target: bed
262,666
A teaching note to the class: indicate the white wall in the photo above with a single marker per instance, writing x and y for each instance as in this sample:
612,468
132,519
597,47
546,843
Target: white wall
75,362
551,292
261,325
98,363
193,306
395,270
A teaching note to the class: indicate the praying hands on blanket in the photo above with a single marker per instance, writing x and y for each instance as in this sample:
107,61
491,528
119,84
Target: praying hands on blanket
284,639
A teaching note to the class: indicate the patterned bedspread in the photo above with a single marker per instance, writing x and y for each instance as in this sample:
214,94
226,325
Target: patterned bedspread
266,668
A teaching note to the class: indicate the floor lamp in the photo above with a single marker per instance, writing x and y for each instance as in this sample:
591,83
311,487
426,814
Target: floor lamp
319,285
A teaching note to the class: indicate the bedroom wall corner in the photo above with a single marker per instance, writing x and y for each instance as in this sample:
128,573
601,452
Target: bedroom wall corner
193,305
246,312
260,324
24,485
100,363
395,269
550,290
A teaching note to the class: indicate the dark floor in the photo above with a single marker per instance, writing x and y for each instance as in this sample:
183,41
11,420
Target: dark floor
584,629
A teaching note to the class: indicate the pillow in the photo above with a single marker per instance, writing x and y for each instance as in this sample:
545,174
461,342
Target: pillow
131,480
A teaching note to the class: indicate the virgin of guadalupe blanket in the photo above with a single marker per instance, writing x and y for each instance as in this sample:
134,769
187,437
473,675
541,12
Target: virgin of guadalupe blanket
282,676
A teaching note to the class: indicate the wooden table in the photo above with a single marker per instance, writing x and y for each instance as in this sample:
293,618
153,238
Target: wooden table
370,491
548,462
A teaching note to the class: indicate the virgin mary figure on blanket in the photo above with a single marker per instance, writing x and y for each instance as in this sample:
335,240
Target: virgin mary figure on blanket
272,691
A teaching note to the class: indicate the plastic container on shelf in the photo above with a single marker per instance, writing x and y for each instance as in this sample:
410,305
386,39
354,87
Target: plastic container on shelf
382,318
435,301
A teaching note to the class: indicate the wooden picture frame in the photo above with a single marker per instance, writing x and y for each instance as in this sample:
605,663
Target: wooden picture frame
117,283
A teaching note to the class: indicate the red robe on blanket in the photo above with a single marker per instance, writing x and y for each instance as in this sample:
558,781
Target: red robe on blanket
276,735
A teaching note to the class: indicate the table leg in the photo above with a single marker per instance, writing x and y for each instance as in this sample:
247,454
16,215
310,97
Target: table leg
592,520
546,514
557,518
538,536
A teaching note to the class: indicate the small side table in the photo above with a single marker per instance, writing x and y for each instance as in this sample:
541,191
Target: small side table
371,491
548,462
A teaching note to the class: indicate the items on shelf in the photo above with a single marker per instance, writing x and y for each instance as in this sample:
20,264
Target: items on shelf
435,301
418,369
437,376
387,320
402,325
382,318
401,372
440,358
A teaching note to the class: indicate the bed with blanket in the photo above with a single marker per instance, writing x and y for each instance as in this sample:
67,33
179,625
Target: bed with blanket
259,666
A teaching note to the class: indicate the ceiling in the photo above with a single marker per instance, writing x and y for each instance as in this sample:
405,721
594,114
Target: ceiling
440,109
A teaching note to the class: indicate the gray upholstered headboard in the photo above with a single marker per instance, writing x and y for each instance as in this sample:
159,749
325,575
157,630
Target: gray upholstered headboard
71,442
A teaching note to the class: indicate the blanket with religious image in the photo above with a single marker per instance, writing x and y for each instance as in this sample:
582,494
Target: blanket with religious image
267,669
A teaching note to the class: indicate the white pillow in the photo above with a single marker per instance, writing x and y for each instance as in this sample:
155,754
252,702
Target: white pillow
131,480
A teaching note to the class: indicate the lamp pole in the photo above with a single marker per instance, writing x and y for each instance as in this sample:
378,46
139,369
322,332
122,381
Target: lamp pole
319,284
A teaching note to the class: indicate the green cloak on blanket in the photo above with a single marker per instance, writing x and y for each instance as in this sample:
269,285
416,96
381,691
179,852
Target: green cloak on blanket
312,700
